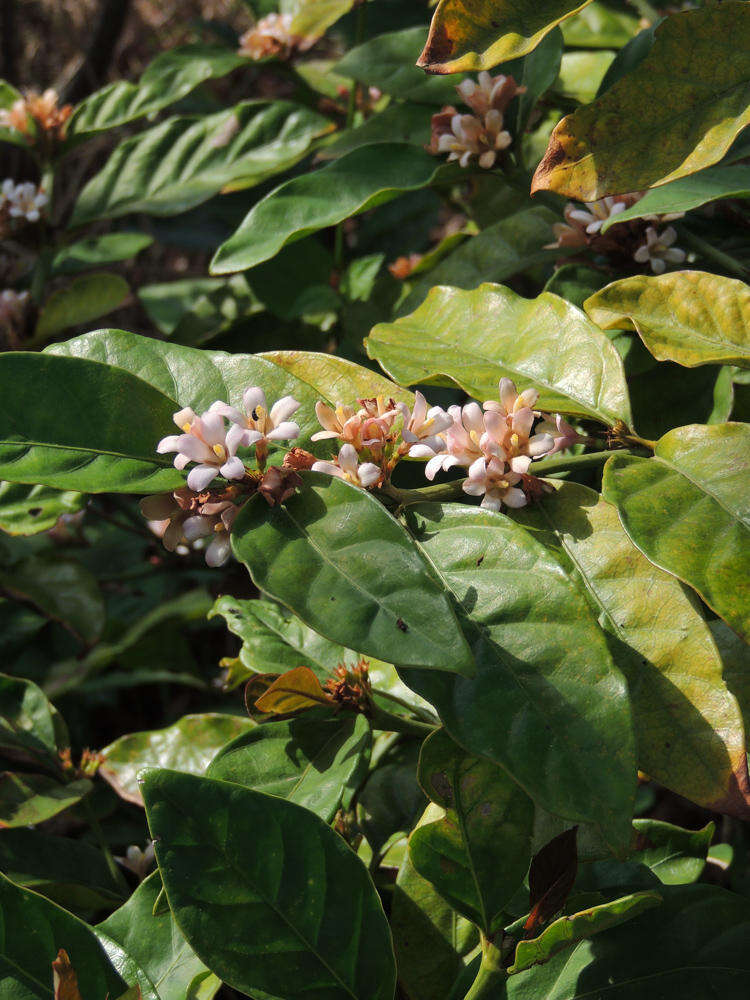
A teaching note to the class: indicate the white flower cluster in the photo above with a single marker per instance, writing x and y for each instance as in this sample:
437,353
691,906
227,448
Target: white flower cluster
22,201
273,36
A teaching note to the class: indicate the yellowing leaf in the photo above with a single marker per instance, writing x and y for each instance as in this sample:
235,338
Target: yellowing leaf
690,317
479,34
64,978
676,113
294,690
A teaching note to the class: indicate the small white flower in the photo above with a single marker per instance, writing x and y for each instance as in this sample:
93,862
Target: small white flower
23,201
204,440
259,425
659,251
138,861
347,467
490,479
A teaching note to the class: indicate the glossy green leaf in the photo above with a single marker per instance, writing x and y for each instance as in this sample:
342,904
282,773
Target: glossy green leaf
188,745
96,250
688,724
311,18
665,119
478,853
84,299
479,34
496,254
364,584
310,760
312,923
27,510
391,802
568,930
429,937
698,478
690,192
34,930
27,799
675,855
547,703
170,77
31,729
185,161
387,62
476,338
156,942
691,945
690,317
102,437
62,589
362,179
337,379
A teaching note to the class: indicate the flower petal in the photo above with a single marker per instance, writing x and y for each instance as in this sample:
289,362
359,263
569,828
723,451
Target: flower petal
200,476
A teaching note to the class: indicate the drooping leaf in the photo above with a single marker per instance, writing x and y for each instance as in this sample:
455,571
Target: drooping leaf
27,799
188,745
97,250
547,702
698,477
664,120
362,179
690,317
31,729
183,162
660,642
568,930
102,437
27,510
675,855
475,338
311,760
479,34
62,589
156,942
364,585
712,184
429,937
312,920
84,299
552,875
693,944
477,854
170,77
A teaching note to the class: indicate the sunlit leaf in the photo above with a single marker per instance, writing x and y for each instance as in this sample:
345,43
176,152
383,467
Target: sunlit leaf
294,690
311,18
27,799
675,855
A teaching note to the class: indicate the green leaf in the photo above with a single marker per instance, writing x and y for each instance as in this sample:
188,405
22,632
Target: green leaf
188,745
599,26
194,310
690,192
312,922
96,432
310,760
698,479
496,254
581,73
568,930
185,161
666,119
547,702
62,589
733,653
84,299
690,317
27,510
675,855
156,942
387,62
311,18
169,78
97,250
365,585
31,729
362,179
479,34
27,799
688,725
478,853
34,930
399,122
475,338
337,379
429,937
692,945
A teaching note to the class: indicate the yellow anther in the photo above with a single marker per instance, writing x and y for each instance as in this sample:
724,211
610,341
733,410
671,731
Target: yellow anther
186,427
514,440
219,451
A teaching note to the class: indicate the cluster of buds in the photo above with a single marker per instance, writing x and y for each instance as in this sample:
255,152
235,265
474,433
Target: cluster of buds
350,686
88,765
14,307
20,201
480,135
272,37
635,239
38,117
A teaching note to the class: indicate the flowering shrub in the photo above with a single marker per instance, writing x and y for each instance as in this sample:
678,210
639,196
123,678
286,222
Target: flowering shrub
387,551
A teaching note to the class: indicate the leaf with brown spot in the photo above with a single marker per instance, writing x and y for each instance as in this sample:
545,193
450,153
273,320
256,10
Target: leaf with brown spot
64,979
676,113
551,877
293,691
